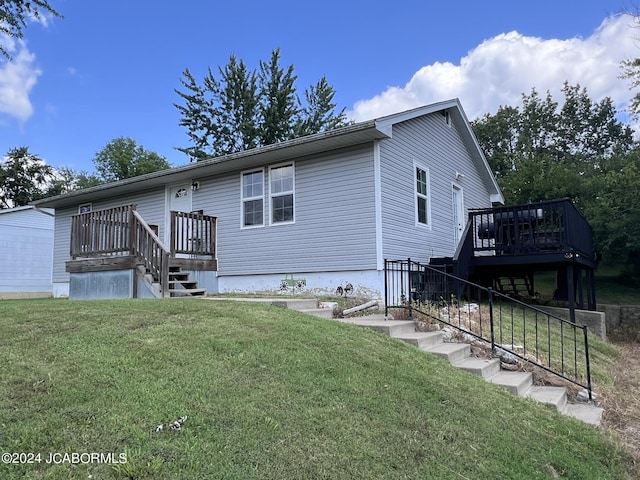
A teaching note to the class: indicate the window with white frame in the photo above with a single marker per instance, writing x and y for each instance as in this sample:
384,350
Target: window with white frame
253,198
423,201
281,190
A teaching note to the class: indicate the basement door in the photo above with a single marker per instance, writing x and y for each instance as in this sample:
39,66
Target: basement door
458,214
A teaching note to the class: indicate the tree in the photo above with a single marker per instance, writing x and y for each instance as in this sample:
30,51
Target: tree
245,109
24,177
577,150
319,113
542,151
13,16
124,158
278,102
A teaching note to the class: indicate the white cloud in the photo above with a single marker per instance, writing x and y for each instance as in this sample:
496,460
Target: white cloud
17,78
500,69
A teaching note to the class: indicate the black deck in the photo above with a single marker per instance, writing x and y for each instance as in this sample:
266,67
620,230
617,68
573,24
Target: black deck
517,241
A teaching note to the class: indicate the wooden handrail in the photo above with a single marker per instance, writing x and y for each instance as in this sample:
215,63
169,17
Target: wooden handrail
120,231
148,248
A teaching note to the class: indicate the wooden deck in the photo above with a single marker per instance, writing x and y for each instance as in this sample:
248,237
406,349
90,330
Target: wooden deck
518,241
119,238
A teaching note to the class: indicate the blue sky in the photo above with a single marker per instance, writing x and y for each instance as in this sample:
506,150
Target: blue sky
109,69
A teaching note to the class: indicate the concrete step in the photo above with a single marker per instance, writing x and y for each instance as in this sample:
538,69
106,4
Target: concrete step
517,383
555,397
453,352
393,328
484,367
422,340
319,312
187,292
585,412
296,303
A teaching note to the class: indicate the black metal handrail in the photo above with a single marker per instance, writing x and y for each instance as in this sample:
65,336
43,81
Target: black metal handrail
549,342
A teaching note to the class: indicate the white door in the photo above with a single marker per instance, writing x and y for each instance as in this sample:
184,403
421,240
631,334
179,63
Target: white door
459,217
179,201
180,198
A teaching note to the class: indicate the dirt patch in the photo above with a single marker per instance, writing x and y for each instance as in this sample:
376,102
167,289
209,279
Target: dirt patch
621,400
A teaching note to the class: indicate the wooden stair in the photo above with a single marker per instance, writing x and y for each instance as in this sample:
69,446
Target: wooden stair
181,286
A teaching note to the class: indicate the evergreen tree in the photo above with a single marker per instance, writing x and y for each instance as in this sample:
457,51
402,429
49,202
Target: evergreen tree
245,109
319,113
278,102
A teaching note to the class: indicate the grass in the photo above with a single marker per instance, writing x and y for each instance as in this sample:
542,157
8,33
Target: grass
269,393
611,288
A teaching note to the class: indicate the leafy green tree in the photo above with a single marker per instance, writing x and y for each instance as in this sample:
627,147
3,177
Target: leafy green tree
243,109
66,180
542,151
577,150
14,14
319,114
124,158
24,177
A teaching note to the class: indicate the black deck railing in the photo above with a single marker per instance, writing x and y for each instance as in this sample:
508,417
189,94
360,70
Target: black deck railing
549,342
543,227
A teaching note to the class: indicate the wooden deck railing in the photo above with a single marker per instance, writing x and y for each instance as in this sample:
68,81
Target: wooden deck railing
121,231
193,234
102,232
544,227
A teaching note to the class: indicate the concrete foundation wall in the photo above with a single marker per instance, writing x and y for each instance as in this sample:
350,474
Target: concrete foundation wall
101,285
594,321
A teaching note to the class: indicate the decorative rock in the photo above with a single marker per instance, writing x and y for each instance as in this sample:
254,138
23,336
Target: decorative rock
583,396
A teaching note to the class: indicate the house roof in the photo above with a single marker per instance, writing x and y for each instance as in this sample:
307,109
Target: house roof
350,135
45,211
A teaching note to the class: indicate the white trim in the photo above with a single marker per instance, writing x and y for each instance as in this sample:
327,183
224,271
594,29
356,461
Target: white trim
417,165
291,192
377,179
167,207
258,197
456,186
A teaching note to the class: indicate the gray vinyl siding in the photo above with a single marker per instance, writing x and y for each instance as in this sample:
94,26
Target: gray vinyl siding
26,247
334,213
150,205
428,141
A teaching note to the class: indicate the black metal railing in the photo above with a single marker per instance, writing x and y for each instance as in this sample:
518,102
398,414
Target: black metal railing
543,227
551,343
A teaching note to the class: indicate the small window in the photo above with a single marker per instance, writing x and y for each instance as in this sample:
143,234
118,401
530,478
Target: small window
423,207
281,182
253,198
86,208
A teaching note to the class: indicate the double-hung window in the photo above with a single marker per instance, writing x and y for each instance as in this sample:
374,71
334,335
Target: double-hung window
423,207
253,198
281,191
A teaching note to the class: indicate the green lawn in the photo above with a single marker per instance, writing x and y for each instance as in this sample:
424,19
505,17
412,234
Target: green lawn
611,288
269,393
